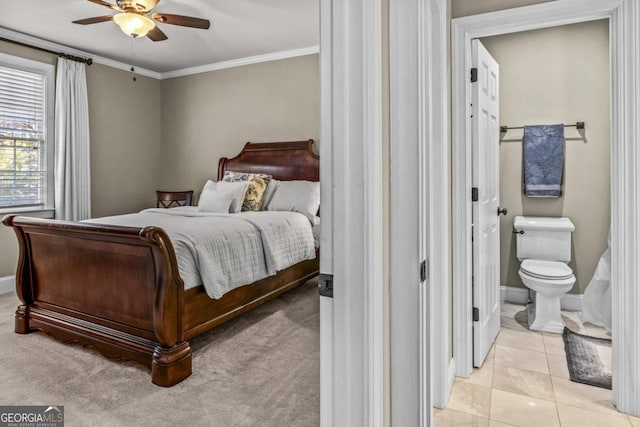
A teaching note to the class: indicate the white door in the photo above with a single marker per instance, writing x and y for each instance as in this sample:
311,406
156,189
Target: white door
486,220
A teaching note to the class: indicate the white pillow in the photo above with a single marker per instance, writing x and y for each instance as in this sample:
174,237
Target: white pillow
268,194
214,196
297,196
215,201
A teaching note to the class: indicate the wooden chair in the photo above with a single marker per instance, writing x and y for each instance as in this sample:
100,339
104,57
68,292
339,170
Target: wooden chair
172,199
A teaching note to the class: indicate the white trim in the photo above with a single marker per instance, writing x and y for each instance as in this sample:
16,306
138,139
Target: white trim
239,62
327,325
450,375
29,211
461,209
351,105
46,44
406,216
373,209
326,360
419,166
221,65
570,302
7,284
48,72
624,16
439,213
514,295
625,205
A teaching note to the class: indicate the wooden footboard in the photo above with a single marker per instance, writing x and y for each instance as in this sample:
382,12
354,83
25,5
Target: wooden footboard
118,289
115,288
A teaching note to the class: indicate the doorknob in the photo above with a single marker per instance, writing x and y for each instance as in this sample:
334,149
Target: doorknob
502,211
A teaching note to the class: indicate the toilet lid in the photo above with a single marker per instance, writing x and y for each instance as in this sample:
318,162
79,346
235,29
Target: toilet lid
546,269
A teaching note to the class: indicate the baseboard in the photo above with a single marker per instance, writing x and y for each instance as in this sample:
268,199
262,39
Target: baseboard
514,295
7,284
571,302
451,377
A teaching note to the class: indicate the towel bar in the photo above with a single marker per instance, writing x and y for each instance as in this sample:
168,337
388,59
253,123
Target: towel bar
503,129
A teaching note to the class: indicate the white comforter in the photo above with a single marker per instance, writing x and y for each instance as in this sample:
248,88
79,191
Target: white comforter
226,251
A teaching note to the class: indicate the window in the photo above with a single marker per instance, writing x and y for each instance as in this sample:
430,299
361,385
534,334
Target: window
26,135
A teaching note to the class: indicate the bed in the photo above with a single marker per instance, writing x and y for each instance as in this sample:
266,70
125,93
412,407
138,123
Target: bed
118,289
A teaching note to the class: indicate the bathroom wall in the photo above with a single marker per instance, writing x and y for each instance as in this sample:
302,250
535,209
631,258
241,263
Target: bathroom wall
461,8
557,75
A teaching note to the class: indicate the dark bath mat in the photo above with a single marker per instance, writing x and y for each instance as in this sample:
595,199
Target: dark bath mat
585,359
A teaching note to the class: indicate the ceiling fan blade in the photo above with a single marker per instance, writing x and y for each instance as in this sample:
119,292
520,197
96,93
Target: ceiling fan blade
185,21
156,34
104,3
94,20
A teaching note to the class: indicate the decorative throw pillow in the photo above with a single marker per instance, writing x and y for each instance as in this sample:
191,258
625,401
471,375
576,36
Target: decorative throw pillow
297,196
255,191
215,195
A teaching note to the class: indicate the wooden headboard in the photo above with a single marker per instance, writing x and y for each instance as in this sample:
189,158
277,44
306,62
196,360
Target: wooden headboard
285,161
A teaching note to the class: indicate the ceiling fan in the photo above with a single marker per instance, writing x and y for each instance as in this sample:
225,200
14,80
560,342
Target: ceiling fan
133,18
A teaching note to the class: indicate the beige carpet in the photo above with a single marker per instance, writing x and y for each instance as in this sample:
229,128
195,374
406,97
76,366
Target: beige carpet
261,369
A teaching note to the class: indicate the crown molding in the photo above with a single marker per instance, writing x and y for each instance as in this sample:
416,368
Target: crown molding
46,44
274,56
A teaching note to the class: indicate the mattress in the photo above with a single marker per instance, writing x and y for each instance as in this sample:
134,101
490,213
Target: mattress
226,251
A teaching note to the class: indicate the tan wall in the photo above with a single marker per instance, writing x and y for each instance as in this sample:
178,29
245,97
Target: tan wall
551,76
461,8
124,118
125,143
211,115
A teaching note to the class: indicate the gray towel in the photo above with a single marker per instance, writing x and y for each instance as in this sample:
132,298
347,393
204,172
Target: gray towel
543,158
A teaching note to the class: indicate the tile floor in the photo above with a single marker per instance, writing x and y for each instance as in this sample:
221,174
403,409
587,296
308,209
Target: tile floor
525,382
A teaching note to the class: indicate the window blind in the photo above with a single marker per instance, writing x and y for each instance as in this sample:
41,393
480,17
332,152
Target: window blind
23,175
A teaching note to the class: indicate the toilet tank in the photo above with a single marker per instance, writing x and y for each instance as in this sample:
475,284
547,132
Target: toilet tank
544,238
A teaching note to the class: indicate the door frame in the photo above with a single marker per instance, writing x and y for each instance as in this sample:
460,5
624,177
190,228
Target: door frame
624,31
351,174
419,220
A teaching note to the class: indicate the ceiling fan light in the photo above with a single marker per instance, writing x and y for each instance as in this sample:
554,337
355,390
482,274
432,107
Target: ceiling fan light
133,24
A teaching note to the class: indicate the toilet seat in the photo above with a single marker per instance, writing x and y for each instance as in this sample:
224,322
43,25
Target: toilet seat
549,270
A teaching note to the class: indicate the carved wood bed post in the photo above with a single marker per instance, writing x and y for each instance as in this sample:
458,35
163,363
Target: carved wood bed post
171,360
23,278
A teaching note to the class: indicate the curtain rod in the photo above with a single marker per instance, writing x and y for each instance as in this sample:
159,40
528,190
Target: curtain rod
578,125
87,61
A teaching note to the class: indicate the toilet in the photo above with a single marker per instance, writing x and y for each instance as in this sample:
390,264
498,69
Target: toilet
543,247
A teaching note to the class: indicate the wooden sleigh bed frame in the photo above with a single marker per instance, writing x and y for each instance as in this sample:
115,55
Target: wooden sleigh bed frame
118,289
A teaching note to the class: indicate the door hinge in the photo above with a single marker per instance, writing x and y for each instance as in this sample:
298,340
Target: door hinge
474,75
424,270
325,283
476,314
474,194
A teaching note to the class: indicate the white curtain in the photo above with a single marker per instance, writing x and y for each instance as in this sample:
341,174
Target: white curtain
596,302
72,173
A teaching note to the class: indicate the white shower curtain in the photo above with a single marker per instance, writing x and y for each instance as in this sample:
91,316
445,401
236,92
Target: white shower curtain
596,302
72,173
